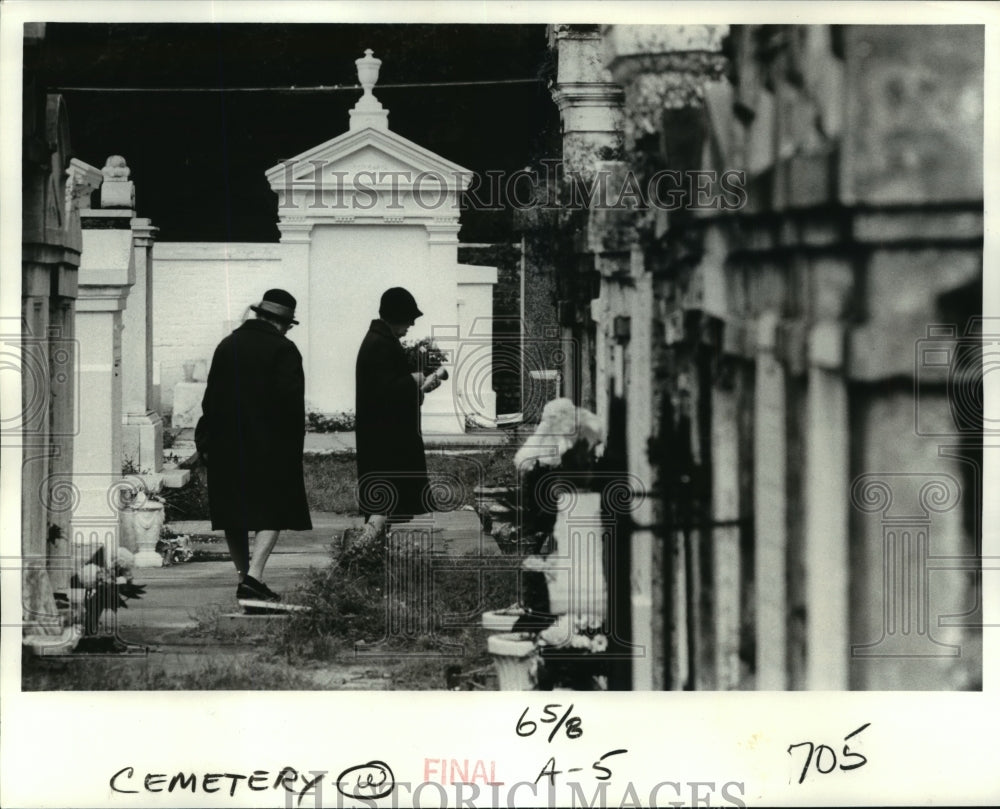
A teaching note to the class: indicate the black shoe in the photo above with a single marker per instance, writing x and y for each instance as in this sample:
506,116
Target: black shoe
255,597
254,588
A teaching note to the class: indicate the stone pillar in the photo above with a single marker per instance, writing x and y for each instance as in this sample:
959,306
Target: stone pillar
82,181
107,273
725,536
472,386
441,411
647,550
770,503
589,101
659,68
142,440
39,344
295,239
590,108
827,495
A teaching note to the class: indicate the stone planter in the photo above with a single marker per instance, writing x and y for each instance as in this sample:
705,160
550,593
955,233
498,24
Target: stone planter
501,620
139,531
515,658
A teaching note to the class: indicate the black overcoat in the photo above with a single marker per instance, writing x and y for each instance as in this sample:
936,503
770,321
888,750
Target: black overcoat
392,470
252,430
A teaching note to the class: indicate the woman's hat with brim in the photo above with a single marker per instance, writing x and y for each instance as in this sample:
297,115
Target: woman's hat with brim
277,304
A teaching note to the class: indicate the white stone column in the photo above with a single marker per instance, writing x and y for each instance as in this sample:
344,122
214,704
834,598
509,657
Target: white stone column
647,551
473,363
590,109
725,538
107,273
770,526
589,101
296,235
97,456
442,410
827,506
142,440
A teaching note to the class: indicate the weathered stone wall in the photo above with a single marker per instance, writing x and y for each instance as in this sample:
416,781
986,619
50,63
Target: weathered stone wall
772,354
49,416
203,290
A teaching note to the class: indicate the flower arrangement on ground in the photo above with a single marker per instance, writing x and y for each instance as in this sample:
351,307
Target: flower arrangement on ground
173,547
101,581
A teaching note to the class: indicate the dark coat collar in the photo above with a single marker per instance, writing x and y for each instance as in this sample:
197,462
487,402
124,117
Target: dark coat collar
256,324
381,328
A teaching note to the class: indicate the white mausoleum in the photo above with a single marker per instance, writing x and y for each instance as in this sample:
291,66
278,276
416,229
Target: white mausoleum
362,212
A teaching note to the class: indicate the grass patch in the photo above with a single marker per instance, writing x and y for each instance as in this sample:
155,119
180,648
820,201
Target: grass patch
331,482
146,674
331,479
417,614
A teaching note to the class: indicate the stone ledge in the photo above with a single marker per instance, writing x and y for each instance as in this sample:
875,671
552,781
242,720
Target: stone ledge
215,251
175,478
237,624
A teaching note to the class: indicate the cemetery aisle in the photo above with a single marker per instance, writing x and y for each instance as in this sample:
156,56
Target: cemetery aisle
188,617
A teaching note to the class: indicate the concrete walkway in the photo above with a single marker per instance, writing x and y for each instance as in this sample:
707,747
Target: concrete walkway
189,616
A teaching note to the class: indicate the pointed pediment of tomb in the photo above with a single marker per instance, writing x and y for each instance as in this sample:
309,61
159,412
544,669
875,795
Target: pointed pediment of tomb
370,157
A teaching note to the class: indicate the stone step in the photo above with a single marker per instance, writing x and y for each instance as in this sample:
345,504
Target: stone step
169,477
175,478
492,491
238,624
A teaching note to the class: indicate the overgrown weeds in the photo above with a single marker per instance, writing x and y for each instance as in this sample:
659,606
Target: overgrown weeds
418,611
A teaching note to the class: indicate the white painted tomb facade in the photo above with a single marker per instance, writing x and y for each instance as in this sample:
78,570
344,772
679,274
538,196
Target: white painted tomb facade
366,211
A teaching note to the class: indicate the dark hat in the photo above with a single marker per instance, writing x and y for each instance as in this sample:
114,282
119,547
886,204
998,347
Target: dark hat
277,304
398,305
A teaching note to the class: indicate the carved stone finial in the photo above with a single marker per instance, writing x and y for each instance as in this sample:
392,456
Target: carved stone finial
368,111
115,168
117,191
368,67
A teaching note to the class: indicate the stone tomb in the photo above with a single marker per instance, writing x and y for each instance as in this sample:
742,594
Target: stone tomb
366,211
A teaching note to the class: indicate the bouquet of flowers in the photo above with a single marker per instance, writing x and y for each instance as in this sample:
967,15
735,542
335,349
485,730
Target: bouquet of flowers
105,581
568,437
173,547
570,655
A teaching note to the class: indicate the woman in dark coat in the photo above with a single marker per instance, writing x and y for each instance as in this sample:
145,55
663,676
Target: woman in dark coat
251,438
392,470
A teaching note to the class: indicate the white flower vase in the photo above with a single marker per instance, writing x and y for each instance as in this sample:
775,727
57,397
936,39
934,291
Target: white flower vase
575,574
501,620
140,529
515,659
